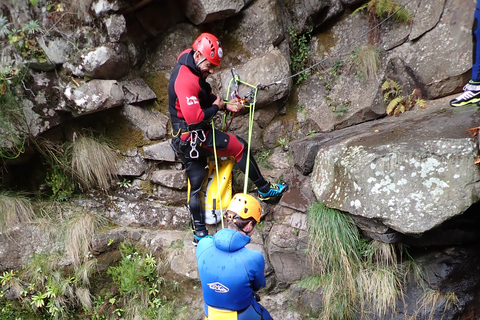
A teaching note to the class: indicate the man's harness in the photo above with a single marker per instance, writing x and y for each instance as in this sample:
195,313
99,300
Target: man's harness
197,134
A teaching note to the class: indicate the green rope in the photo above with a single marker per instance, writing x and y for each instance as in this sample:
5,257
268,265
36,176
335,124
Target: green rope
251,115
251,107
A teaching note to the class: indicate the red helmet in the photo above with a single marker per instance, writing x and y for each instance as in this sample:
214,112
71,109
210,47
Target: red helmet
208,45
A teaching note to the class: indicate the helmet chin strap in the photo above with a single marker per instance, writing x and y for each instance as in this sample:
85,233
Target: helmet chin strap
197,64
200,62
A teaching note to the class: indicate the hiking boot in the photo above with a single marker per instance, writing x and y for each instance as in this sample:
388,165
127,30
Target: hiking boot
199,235
274,193
471,94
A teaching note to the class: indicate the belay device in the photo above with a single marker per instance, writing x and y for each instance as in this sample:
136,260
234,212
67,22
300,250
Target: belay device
218,185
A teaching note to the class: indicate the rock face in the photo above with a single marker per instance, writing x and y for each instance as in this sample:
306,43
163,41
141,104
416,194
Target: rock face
411,175
409,179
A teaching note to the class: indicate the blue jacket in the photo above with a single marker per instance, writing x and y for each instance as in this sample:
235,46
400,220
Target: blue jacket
229,272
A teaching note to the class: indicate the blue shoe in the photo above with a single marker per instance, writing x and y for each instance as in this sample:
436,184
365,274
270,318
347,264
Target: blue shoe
197,236
276,190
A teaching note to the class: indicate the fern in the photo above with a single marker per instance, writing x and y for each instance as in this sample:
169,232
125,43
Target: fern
400,103
393,105
4,27
383,8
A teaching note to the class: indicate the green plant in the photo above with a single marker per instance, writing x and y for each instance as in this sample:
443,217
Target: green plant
282,142
399,103
356,276
25,42
4,27
338,107
60,183
134,274
311,132
300,52
262,158
300,107
380,9
383,8
125,183
331,75
13,124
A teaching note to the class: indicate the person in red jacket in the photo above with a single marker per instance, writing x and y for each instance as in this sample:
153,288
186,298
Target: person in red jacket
192,105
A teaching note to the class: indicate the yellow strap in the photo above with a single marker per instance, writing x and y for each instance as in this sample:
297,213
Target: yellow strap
217,314
178,132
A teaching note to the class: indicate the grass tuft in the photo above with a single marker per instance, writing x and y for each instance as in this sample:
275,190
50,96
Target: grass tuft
79,233
358,277
15,209
93,162
366,61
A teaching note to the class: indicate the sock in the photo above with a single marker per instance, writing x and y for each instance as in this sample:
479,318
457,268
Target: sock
264,188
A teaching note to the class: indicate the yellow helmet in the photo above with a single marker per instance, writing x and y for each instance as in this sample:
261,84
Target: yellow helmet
245,206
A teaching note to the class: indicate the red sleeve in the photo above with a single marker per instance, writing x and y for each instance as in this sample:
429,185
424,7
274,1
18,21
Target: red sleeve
187,89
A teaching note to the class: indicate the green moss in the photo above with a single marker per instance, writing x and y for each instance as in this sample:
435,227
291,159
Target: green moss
233,46
326,41
159,84
123,135
147,186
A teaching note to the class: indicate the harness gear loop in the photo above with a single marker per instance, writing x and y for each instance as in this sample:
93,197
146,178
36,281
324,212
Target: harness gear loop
195,135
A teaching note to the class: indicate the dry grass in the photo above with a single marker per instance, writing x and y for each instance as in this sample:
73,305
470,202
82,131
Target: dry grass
79,232
83,272
366,61
433,298
15,209
379,289
93,163
83,295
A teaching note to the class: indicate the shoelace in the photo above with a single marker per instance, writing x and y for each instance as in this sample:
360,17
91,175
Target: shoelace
467,95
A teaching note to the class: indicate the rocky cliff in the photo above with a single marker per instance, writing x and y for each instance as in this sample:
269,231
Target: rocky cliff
404,176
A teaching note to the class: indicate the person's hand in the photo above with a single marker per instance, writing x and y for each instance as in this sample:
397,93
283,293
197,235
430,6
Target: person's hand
236,106
220,103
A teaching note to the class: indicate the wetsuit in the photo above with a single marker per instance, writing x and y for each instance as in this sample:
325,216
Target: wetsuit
230,273
191,109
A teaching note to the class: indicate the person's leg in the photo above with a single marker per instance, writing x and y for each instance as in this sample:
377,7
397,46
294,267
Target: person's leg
471,91
197,173
476,45
231,145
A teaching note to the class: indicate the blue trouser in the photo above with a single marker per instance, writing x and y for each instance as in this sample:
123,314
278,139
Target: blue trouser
476,44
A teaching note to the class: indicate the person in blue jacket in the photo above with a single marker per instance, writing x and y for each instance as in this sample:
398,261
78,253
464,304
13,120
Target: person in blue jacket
471,91
230,273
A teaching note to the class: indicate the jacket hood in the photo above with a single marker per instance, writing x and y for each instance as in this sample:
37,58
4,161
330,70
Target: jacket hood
186,58
230,240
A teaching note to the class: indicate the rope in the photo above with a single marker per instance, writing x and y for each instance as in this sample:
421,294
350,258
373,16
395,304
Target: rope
262,87
218,176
